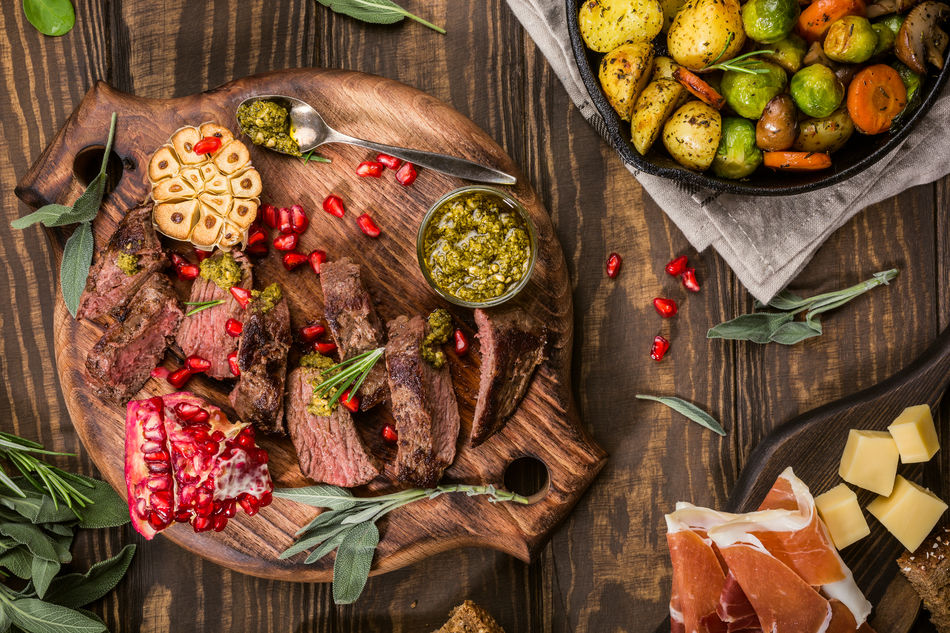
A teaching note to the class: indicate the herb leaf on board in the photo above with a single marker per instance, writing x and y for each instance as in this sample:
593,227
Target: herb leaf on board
687,409
77,590
375,12
37,616
50,17
77,258
354,558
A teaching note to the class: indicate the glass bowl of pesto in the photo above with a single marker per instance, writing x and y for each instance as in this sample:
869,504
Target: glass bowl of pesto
476,247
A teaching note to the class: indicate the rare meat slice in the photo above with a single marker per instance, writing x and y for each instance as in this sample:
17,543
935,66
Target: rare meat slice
258,397
424,407
353,322
121,361
329,448
203,333
512,345
108,287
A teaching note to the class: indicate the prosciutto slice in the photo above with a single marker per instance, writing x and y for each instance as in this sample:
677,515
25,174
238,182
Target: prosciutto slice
735,609
697,580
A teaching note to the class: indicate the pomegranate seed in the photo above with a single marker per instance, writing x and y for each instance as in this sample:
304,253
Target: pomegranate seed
292,260
217,436
233,327
230,508
186,411
197,364
677,266
257,250
183,516
178,260
250,504
334,206
233,363
202,524
324,348
201,255
613,265
369,168
298,219
389,433
665,307
207,145
188,272
157,522
316,258
286,242
461,342
367,225
689,280
160,372
270,215
389,161
284,224
660,345
265,498
241,295
255,236
200,418
350,402
406,175
262,456
178,378
310,333
220,522
245,441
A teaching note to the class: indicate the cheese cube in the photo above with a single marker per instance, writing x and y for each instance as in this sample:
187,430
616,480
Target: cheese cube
915,435
870,460
909,513
842,515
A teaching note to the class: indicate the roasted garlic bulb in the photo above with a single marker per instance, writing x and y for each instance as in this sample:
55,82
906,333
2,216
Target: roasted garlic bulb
204,187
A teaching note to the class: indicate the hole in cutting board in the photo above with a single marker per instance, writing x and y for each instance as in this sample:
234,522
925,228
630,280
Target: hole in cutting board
88,161
527,476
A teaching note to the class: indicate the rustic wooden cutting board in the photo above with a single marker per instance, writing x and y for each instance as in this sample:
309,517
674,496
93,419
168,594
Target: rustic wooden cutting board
545,427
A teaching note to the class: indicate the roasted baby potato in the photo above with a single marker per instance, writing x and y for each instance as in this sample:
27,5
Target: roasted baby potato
654,107
789,53
606,24
692,135
705,31
670,9
663,68
824,135
623,73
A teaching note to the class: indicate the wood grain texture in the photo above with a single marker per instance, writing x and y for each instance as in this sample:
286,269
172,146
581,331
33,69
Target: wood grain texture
606,568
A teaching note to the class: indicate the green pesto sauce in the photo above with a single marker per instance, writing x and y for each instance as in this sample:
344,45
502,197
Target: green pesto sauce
440,329
267,298
476,248
127,263
318,406
223,271
268,123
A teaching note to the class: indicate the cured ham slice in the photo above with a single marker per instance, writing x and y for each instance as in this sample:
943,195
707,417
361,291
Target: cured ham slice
698,578
735,609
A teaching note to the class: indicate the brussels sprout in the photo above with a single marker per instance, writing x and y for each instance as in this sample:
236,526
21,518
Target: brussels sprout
737,156
893,22
850,40
885,38
789,53
911,83
816,91
748,93
769,21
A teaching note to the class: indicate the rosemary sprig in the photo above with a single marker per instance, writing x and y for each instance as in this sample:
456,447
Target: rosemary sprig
202,305
310,158
60,485
348,375
741,64
348,525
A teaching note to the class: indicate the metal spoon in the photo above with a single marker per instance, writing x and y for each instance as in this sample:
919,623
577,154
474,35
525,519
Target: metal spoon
311,131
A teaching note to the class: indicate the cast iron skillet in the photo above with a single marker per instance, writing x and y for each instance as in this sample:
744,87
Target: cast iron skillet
859,153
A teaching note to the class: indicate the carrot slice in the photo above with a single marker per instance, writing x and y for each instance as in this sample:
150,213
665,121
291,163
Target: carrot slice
699,88
796,161
875,96
816,18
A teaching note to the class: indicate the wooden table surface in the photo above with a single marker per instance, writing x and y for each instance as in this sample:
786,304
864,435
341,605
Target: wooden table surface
606,568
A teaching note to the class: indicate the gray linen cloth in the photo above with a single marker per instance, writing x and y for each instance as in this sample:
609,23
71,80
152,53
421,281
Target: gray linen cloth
766,241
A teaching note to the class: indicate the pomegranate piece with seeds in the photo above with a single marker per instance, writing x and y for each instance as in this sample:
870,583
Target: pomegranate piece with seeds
185,462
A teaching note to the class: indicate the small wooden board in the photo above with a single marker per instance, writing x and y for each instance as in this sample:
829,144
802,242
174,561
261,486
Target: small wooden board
546,425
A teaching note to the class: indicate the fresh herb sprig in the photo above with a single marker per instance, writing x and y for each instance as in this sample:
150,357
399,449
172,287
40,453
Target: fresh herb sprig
781,327
742,63
687,409
376,12
50,17
61,486
202,305
348,525
348,375
77,255
310,157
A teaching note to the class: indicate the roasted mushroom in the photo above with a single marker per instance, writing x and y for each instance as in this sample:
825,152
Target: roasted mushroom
816,55
778,127
921,39
886,7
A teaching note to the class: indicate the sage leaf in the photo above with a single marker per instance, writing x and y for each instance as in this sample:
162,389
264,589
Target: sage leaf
77,258
33,538
37,616
319,496
327,546
19,561
375,12
757,327
50,17
313,539
43,572
687,409
110,509
46,215
77,590
784,300
354,558
5,621
795,332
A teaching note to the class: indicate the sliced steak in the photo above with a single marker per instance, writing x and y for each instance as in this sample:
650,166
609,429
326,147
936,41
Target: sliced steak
203,333
424,407
121,361
512,345
353,322
258,397
329,448
108,288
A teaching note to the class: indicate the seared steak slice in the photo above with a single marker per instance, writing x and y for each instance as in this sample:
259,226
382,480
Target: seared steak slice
258,397
329,448
203,333
424,407
107,287
353,322
121,361
512,345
